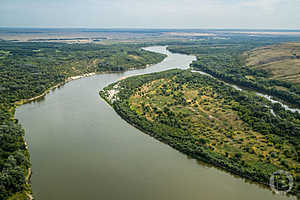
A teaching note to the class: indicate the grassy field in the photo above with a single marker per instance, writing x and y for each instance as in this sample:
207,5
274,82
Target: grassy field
282,61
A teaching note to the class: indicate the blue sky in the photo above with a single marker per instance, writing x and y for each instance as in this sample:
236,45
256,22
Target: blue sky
272,14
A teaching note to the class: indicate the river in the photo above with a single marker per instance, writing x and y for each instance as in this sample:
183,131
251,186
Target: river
82,150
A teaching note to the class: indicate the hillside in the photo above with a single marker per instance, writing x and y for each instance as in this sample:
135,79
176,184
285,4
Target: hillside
282,61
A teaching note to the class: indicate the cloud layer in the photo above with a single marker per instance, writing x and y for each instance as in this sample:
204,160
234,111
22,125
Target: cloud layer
151,13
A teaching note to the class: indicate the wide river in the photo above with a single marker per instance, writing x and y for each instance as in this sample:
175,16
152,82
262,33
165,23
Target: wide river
82,150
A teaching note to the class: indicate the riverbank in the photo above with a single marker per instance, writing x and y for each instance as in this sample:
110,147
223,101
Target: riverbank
24,101
67,80
29,194
30,72
223,137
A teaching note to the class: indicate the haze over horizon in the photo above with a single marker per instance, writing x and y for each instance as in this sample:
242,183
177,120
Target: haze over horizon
247,14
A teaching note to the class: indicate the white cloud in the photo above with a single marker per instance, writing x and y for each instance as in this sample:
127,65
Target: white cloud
154,13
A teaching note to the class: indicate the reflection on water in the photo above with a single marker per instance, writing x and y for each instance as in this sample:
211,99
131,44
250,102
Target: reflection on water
81,149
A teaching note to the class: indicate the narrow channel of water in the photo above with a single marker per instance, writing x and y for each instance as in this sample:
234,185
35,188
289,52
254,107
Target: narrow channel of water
81,149
270,98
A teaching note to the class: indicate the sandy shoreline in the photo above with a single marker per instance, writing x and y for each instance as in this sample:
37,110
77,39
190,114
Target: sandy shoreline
24,101
29,195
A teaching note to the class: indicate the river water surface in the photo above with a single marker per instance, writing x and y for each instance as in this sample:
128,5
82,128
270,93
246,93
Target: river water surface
82,150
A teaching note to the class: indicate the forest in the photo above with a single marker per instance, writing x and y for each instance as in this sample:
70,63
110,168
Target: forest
228,60
212,122
28,69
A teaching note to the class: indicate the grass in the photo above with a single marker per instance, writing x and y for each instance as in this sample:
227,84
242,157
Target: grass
282,61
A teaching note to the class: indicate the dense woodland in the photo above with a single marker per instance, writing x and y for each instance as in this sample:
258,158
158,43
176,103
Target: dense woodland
226,60
29,69
209,120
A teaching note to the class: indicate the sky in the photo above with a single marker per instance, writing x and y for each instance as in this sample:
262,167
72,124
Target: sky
249,14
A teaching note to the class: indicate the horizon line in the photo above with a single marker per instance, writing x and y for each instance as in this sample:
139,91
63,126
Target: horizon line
147,28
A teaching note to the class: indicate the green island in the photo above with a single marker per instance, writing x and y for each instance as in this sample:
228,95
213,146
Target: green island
210,121
269,66
29,70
